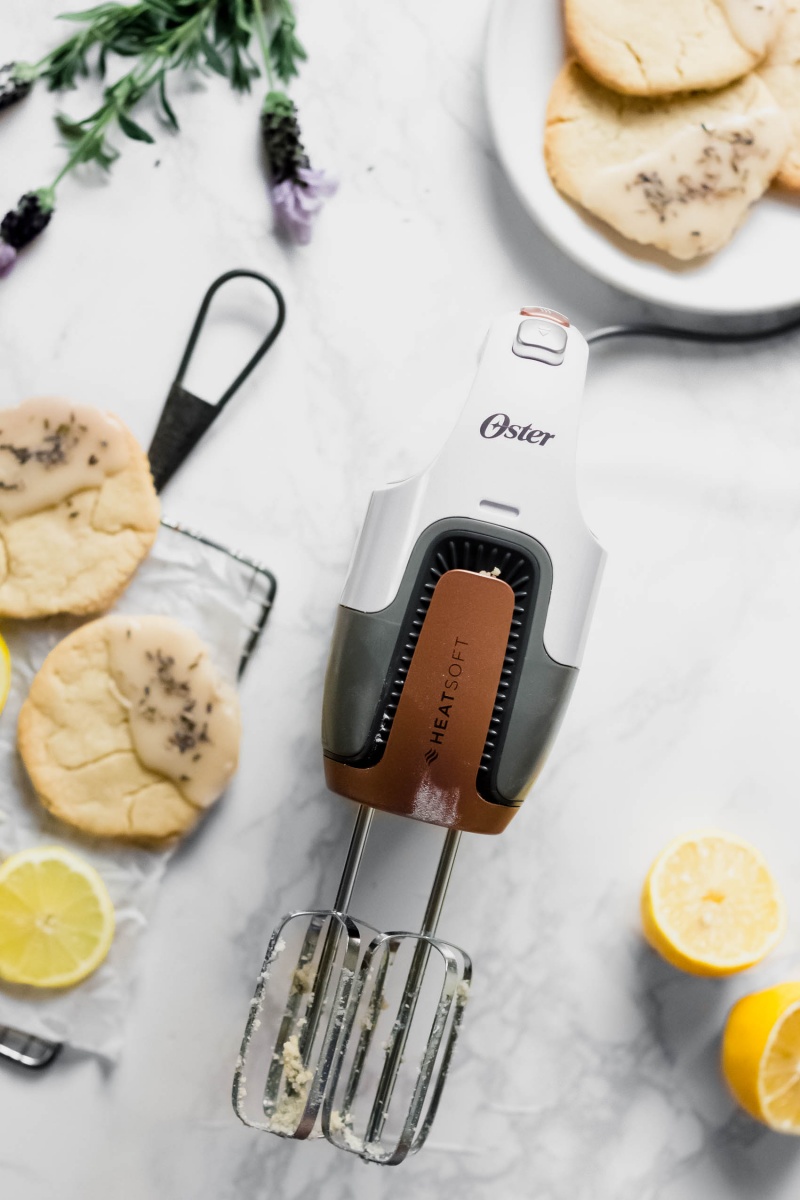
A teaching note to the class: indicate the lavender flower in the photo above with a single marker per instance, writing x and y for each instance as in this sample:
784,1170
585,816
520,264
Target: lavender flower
296,189
15,83
8,256
22,224
297,201
25,222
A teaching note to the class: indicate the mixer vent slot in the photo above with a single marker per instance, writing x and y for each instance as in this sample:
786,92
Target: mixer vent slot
468,552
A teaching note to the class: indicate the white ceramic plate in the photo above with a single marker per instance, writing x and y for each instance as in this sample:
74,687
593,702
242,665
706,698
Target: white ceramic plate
758,271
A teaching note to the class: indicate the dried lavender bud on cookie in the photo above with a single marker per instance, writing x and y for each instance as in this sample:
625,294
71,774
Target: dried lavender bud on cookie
679,174
129,731
78,509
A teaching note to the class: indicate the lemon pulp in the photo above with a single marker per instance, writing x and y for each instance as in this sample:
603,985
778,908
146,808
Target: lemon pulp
56,918
710,905
779,1083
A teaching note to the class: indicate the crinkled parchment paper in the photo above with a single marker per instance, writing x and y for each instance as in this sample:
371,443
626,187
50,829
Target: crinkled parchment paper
211,592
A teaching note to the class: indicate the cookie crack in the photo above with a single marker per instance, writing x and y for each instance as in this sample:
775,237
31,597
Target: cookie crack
132,804
637,59
91,762
682,50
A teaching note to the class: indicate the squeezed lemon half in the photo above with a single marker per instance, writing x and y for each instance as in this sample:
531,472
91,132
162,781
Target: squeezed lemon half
710,905
761,1055
56,918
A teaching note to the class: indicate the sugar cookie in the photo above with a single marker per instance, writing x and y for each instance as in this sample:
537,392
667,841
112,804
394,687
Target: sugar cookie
653,48
679,174
128,730
78,510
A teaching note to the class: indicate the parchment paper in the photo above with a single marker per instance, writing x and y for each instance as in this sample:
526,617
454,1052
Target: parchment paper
212,593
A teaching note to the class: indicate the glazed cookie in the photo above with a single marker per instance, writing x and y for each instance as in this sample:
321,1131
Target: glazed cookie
128,730
656,48
781,73
78,510
678,174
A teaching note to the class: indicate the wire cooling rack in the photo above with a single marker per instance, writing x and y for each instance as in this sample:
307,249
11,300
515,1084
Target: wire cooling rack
26,1049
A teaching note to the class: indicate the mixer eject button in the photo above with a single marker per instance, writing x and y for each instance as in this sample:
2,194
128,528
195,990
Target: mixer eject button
541,339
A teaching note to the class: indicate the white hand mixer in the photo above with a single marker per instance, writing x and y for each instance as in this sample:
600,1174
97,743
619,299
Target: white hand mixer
456,648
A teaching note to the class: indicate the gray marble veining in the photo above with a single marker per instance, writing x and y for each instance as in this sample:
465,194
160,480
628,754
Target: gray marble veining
588,1069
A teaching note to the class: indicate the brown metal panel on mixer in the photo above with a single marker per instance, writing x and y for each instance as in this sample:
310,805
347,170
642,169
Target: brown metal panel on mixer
430,765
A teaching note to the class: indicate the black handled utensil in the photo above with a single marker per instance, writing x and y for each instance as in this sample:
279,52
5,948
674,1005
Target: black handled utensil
186,417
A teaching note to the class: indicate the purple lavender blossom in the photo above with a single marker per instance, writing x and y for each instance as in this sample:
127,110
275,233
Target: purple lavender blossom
297,190
297,201
8,256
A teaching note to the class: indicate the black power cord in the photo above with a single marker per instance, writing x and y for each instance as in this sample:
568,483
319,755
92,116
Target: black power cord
644,329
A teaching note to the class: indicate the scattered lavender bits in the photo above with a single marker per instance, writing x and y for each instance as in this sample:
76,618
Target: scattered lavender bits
185,734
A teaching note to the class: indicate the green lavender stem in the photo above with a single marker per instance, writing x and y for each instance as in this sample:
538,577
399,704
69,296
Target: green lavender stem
87,137
263,40
61,66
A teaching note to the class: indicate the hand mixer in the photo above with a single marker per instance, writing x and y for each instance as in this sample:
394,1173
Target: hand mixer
456,648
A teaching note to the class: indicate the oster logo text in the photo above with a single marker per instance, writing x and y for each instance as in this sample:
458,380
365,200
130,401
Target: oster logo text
499,425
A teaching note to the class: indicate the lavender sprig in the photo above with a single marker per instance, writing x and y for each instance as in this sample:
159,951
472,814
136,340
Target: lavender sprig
296,189
162,36
159,37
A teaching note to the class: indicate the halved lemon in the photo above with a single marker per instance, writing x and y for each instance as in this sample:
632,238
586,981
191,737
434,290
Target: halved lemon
761,1055
5,673
710,905
56,918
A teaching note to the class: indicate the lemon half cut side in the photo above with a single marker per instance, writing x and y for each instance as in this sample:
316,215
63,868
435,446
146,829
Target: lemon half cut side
56,918
761,1055
710,905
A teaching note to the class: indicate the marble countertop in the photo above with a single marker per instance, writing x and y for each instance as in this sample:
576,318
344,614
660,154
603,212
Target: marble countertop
588,1069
